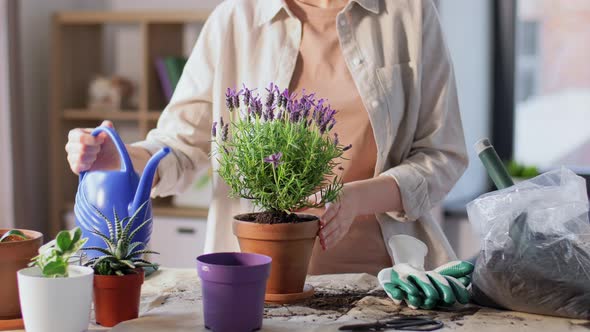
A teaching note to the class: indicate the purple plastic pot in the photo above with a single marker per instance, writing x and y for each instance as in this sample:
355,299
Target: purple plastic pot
233,286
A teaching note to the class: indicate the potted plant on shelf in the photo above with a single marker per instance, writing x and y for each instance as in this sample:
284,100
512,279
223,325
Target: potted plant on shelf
17,247
520,172
54,295
118,271
278,153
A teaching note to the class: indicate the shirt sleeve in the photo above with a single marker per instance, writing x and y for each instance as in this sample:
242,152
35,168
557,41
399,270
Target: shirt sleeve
185,124
438,155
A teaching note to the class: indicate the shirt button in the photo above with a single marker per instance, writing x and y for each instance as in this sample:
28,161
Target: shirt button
374,103
342,21
356,61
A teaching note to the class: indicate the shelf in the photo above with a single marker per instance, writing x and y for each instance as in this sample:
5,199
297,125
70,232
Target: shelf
166,211
90,42
130,17
177,211
85,114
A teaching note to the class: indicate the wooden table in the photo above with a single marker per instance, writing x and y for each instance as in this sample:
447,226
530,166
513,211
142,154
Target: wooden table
171,301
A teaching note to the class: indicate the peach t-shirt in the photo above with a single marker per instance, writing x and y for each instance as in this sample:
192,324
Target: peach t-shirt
321,68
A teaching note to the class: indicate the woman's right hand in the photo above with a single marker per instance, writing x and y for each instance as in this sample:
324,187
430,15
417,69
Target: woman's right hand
86,152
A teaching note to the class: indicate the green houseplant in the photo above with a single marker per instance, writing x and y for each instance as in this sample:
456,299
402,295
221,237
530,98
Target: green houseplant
17,247
118,272
278,153
520,172
50,277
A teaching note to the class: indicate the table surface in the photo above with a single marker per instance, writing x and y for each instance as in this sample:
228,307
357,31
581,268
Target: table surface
171,301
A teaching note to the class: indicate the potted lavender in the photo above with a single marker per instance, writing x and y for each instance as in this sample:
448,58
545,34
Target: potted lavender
278,153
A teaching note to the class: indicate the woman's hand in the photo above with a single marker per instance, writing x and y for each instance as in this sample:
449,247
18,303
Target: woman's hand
377,195
338,217
87,152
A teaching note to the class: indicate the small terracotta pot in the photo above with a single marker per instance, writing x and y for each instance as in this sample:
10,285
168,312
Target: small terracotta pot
13,257
289,245
116,298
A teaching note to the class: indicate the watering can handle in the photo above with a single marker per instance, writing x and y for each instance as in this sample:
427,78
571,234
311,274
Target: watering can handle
126,164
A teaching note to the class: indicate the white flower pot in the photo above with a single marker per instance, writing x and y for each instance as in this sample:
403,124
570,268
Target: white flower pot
56,304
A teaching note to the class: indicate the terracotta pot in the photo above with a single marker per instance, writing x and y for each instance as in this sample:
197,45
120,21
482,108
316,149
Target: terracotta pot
116,298
289,245
13,257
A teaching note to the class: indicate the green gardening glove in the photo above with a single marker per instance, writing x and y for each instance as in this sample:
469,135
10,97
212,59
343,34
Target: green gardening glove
408,281
458,275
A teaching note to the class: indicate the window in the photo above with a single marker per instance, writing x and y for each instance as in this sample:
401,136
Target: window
552,84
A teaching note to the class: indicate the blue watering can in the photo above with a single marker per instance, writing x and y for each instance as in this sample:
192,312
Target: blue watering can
121,191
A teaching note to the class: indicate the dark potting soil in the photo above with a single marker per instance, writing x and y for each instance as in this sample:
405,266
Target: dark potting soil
275,217
539,273
341,302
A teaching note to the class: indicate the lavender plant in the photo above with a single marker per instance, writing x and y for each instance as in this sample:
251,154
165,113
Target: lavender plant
279,151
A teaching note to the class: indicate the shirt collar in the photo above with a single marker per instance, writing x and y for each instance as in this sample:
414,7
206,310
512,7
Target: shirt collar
269,9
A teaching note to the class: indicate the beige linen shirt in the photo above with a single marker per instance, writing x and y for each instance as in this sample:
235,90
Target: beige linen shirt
398,58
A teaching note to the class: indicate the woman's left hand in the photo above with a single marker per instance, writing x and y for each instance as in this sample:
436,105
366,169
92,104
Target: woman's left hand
338,216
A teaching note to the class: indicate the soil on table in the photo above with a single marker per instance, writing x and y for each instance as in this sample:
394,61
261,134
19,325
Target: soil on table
340,302
276,217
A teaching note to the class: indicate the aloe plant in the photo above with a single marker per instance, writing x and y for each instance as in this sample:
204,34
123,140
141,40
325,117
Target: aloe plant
121,256
54,256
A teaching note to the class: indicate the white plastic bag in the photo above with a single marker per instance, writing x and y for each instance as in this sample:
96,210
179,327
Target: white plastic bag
535,246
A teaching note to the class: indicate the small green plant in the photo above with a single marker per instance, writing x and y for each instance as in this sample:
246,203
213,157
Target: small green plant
279,153
54,256
521,171
121,256
13,235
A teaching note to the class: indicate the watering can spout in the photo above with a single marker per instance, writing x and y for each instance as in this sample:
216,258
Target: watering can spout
145,183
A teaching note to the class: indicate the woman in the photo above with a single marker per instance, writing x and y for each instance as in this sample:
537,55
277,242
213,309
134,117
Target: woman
383,64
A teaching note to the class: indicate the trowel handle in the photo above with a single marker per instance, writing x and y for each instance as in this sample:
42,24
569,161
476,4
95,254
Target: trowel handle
494,166
126,164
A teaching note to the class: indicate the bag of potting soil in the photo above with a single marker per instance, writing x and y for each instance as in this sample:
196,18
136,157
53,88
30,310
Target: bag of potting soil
535,246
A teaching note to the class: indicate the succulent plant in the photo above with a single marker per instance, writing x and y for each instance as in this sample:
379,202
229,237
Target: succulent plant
54,256
121,256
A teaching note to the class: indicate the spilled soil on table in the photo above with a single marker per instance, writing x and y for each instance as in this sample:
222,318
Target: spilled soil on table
339,302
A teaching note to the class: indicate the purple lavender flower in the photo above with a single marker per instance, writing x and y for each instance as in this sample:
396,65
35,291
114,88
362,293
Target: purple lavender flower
336,139
232,99
346,148
247,94
270,96
332,123
229,99
282,100
221,122
318,109
293,109
326,119
237,98
286,99
306,103
274,159
256,104
214,129
270,114
224,132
